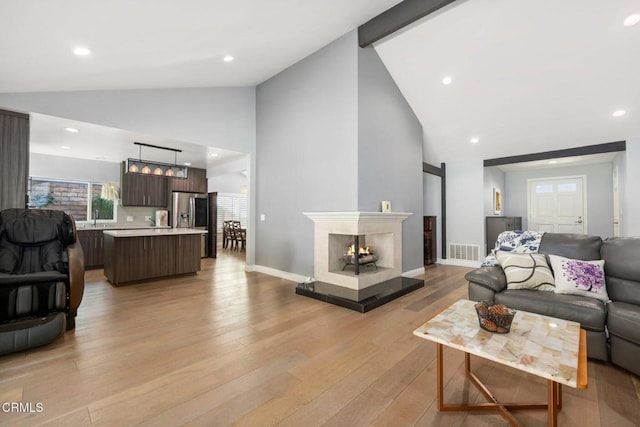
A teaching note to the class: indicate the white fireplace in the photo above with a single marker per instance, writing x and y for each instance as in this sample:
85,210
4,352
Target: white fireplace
335,232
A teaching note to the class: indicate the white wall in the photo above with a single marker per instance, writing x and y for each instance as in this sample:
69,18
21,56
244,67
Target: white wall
228,183
493,178
620,162
216,117
228,177
48,166
631,189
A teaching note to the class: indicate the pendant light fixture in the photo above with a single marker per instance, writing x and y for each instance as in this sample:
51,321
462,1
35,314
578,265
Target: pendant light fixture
148,167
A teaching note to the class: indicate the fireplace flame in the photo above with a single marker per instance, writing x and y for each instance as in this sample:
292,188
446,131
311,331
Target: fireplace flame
361,251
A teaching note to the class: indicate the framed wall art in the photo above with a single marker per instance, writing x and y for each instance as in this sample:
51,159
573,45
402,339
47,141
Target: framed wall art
497,201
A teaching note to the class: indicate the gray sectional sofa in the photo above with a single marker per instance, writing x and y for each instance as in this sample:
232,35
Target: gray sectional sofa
613,328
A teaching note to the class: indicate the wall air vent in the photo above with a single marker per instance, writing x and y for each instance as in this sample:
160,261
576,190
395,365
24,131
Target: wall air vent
464,251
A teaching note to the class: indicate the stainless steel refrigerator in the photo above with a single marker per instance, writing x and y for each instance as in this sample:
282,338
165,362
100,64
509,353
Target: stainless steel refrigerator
191,210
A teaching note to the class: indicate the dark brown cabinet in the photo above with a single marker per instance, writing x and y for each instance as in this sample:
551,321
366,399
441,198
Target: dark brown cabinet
92,242
496,225
429,230
160,255
143,190
212,236
196,181
188,253
125,259
129,259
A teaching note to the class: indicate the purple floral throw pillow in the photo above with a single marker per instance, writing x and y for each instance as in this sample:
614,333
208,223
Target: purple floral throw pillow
576,277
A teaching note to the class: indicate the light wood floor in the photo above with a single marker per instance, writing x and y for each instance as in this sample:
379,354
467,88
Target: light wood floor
227,347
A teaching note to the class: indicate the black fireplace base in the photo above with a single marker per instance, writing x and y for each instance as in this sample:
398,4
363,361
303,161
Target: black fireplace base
362,300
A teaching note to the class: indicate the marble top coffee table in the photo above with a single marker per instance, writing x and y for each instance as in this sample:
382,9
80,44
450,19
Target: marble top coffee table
554,349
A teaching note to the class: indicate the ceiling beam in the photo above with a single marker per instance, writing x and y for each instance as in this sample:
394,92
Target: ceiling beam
431,169
397,17
608,147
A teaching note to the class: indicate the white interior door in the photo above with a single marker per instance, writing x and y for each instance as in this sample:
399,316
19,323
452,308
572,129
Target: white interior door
557,205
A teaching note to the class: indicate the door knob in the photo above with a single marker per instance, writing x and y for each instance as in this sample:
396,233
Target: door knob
579,221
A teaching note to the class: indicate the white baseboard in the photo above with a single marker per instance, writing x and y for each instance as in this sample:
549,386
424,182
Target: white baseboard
413,273
298,278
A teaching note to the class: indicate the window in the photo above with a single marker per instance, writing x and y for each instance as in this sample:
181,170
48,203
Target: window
232,207
544,188
81,199
569,187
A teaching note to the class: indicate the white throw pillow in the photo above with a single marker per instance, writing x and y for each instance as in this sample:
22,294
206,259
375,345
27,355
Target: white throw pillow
526,271
577,277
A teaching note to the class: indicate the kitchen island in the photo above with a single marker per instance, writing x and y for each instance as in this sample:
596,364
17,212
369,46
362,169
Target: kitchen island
135,255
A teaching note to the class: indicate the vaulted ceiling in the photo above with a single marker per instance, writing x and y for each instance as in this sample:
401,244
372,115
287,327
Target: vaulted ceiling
526,75
165,43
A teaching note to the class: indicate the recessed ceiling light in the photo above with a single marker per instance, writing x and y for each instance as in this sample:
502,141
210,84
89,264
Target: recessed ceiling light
228,58
553,162
213,154
65,147
187,164
82,51
632,20
72,130
447,80
619,113
475,140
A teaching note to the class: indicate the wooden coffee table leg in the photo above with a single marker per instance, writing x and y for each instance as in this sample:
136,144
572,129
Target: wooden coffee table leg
554,395
552,402
439,375
559,395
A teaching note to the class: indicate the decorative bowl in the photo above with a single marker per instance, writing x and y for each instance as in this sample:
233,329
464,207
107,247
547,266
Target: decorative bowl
495,318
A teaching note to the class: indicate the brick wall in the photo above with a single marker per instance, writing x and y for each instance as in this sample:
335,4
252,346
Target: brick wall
70,197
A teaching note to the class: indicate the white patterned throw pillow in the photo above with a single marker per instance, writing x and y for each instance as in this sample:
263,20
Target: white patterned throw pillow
577,277
526,271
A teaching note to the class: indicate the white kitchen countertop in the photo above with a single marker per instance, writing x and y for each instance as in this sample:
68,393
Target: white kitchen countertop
120,227
154,232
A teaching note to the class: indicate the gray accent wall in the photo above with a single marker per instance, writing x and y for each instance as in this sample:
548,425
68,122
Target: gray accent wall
599,194
307,127
389,153
465,203
325,143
